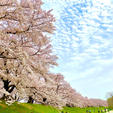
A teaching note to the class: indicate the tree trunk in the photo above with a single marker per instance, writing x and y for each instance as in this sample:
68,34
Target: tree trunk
31,100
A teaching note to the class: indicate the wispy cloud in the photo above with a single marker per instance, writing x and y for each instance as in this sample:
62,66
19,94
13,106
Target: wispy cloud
84,43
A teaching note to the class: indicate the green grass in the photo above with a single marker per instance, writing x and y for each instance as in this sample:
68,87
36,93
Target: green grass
83,110
26,108
38,108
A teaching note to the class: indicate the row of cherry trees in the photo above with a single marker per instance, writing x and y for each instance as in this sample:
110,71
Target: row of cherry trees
71,97
26,57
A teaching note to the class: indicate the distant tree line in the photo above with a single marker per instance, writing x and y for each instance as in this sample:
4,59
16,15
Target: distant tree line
110,100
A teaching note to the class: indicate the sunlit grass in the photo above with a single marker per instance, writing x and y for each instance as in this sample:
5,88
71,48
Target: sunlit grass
38,108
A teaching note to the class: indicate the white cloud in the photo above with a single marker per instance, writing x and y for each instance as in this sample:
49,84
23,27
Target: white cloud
84,43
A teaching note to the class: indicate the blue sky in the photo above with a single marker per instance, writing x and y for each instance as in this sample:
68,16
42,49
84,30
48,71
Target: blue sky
83,41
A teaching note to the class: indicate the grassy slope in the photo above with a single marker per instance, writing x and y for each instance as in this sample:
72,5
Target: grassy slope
26,108
37,108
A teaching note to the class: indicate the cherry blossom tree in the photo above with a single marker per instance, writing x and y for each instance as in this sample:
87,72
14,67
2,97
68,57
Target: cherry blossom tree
25,50
71,97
